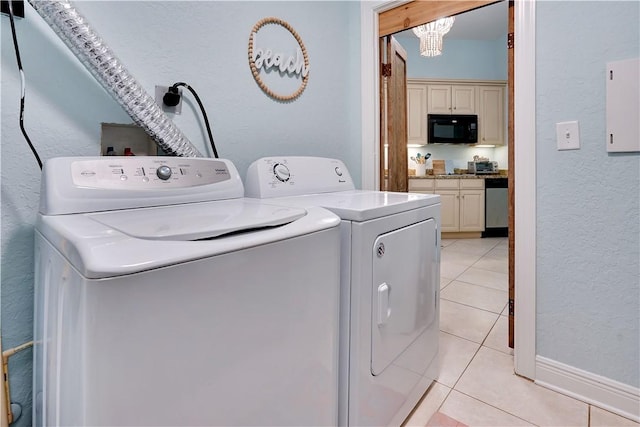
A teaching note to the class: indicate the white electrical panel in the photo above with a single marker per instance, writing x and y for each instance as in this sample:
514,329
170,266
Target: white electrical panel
623,106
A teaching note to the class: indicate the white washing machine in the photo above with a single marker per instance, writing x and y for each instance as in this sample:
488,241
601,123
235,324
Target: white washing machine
390,275
163,297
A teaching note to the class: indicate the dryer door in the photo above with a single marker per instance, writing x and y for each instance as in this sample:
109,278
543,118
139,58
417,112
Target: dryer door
405,263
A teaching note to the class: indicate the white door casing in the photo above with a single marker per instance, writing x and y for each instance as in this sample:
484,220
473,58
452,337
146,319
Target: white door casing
525,157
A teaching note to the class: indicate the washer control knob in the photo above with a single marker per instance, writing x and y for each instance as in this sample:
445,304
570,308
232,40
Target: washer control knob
281,172
338,171
163,172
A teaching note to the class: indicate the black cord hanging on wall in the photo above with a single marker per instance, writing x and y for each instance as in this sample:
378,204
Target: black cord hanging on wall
172,98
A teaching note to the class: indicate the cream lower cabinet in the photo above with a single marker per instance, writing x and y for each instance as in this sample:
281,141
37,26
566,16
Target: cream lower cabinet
421,185
450,211
449,191
472,210
462,202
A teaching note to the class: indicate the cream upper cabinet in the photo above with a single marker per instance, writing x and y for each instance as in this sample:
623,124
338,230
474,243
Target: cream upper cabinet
416,113
439,99
451,99
486,99
491,120
463,99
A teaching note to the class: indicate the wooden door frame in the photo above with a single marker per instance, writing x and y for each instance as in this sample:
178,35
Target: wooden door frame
397,178
524,157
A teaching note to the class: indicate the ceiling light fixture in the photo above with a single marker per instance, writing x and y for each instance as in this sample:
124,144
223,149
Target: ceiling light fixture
430,35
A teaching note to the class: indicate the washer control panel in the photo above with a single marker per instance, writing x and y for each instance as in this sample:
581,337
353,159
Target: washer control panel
143,172
294,176
96,184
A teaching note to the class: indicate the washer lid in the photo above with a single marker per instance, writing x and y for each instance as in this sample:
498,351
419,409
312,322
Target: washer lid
197,221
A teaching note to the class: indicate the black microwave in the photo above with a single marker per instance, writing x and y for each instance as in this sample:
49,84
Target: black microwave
452,129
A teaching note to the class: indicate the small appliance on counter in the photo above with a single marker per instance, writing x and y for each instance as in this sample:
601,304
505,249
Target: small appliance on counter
479,167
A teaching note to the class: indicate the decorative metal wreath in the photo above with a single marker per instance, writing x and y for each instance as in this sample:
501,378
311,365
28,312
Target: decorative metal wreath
254,68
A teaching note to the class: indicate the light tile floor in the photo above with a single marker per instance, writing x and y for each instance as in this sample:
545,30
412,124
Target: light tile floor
477,385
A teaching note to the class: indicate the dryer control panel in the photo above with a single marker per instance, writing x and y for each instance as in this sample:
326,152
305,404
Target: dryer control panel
294,176
92,184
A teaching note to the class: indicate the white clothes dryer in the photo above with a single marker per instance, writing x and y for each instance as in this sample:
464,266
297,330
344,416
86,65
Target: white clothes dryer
390,275
163,297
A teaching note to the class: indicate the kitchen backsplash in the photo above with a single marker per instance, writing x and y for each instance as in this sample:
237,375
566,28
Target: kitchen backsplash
459,155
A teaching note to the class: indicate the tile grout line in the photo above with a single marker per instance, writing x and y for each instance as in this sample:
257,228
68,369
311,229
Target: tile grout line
467,367
487,269
477,308
483,340
485,337
475,262
495,407
480,346
475,284
443,400
475,354
482,288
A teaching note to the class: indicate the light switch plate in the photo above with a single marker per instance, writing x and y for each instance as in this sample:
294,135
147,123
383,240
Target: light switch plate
568,135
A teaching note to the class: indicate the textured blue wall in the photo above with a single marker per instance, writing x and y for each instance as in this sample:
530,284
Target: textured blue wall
588,291
460,59
202,43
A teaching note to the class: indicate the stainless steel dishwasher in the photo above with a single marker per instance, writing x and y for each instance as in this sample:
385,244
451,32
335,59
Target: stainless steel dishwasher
496,205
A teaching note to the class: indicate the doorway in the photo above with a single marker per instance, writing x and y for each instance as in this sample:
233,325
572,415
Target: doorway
411,15
523,164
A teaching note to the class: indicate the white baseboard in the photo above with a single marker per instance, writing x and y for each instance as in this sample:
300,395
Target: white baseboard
605,393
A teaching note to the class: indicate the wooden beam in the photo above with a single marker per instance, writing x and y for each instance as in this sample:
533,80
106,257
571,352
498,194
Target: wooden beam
415,13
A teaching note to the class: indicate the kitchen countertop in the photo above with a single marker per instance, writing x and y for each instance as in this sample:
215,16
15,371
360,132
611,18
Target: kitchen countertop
460,176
